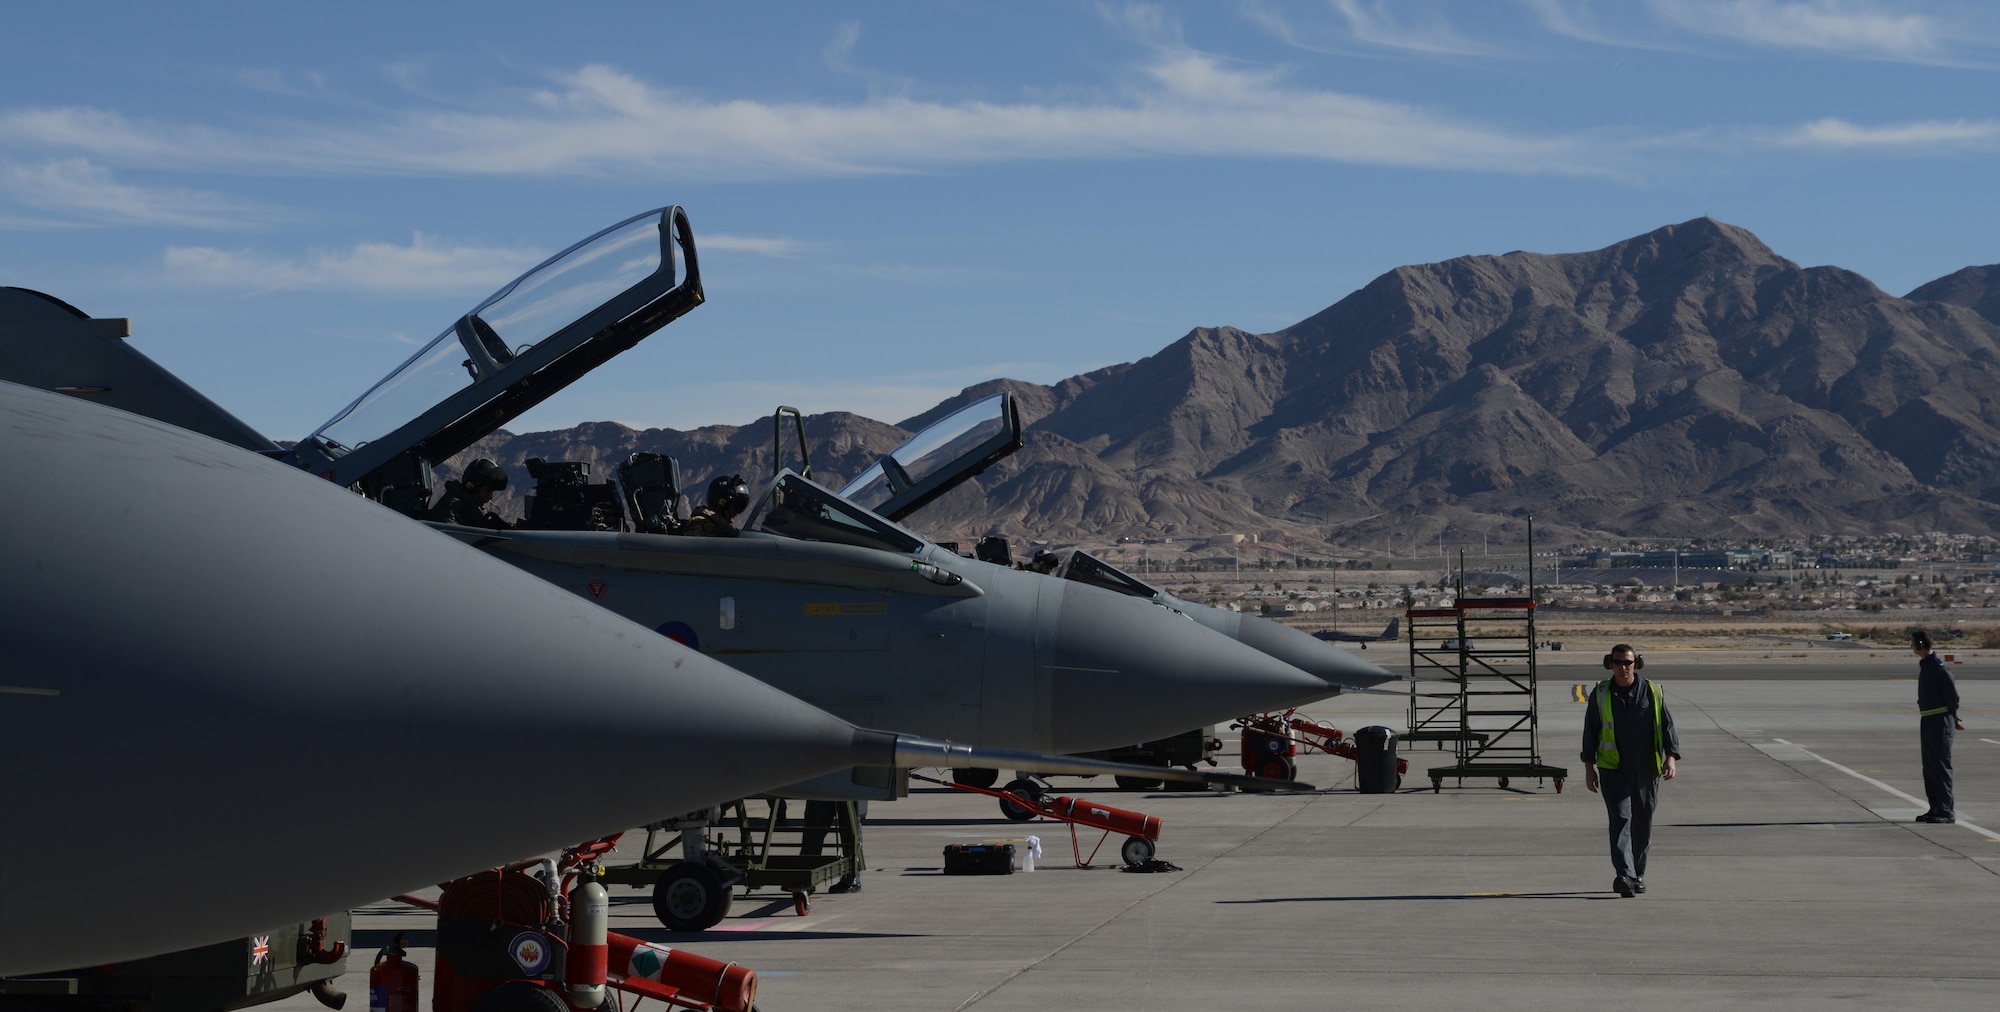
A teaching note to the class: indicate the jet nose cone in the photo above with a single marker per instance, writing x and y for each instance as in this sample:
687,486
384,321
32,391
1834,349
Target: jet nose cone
1301,650
1126,671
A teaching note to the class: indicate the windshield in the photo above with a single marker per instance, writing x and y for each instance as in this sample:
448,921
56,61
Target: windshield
928,453
441,369
561,292
1084,567
797,508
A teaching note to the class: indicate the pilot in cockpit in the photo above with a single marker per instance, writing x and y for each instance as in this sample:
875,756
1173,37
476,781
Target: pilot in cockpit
464,501
728,497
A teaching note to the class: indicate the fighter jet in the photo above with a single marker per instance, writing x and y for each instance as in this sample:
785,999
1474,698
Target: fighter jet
973,438
226,654
1388,635
867,620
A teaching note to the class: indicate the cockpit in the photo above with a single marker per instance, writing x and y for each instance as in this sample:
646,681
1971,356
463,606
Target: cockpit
1084,567
794,507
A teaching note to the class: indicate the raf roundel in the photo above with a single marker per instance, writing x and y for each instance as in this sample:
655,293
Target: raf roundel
682,633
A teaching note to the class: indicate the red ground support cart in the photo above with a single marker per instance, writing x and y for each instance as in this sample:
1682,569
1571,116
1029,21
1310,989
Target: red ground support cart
1271,742
1022,800
531,937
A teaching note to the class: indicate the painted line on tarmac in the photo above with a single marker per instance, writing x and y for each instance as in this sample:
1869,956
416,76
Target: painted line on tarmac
1991,836
1990,741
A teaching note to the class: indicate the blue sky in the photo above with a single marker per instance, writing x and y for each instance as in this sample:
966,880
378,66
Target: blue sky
896,200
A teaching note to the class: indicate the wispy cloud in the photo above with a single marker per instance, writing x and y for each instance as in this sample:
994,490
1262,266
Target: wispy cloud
1850,27
78,191
769,246
1582,21
838,54
1924,137
427,265
1947,34
1340,26
600,120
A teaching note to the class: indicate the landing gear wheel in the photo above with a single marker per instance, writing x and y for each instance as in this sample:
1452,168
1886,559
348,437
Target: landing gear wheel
1137,851
520,996
975,776
801,902
690,897
1275,769
1025,788
1126,783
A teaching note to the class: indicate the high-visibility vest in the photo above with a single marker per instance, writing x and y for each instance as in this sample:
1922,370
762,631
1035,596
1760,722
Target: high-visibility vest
1607,731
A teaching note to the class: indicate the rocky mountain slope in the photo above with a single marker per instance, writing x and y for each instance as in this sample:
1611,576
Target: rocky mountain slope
1684,383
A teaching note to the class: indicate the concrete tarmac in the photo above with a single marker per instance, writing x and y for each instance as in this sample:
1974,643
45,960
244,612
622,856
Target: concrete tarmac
1786,874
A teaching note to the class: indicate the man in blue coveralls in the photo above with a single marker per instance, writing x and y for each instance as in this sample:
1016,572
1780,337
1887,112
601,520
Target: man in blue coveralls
1629,747
1937,708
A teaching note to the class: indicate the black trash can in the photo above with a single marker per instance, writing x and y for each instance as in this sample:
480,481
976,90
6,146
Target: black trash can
1375,760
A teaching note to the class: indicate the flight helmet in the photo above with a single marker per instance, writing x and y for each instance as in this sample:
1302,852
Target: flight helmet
485,472
728,495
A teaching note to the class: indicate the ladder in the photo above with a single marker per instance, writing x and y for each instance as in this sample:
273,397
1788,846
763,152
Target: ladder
1485,647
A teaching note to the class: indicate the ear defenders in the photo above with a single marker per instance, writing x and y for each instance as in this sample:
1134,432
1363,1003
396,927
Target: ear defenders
1638,662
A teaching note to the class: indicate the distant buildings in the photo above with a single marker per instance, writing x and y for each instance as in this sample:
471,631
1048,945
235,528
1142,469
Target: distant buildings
1714,558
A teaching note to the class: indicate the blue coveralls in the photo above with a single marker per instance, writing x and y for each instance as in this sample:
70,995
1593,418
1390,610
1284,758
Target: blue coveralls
1937,702
1632,790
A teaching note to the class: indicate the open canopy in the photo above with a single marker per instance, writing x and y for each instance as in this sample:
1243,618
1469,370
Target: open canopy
935,460
522,344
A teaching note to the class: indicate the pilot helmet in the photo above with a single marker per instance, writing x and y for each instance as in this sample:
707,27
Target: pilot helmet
485,472
728,495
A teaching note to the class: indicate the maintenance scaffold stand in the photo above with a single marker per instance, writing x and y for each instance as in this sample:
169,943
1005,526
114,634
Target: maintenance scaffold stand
1486,646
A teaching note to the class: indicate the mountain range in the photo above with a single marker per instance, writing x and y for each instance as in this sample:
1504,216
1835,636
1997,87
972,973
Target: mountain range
1685,383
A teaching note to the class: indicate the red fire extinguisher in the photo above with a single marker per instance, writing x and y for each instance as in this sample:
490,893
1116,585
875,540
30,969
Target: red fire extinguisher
392,981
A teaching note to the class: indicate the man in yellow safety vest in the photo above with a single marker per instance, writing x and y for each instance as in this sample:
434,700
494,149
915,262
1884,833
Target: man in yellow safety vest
1629,747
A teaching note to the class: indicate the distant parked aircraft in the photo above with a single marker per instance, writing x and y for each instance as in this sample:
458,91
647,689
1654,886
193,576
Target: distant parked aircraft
1390,634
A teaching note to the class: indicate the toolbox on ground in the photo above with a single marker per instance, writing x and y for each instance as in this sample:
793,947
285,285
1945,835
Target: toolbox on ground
979,859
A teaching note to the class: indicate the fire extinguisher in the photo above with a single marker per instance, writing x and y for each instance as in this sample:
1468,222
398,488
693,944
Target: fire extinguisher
589,915
392,981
